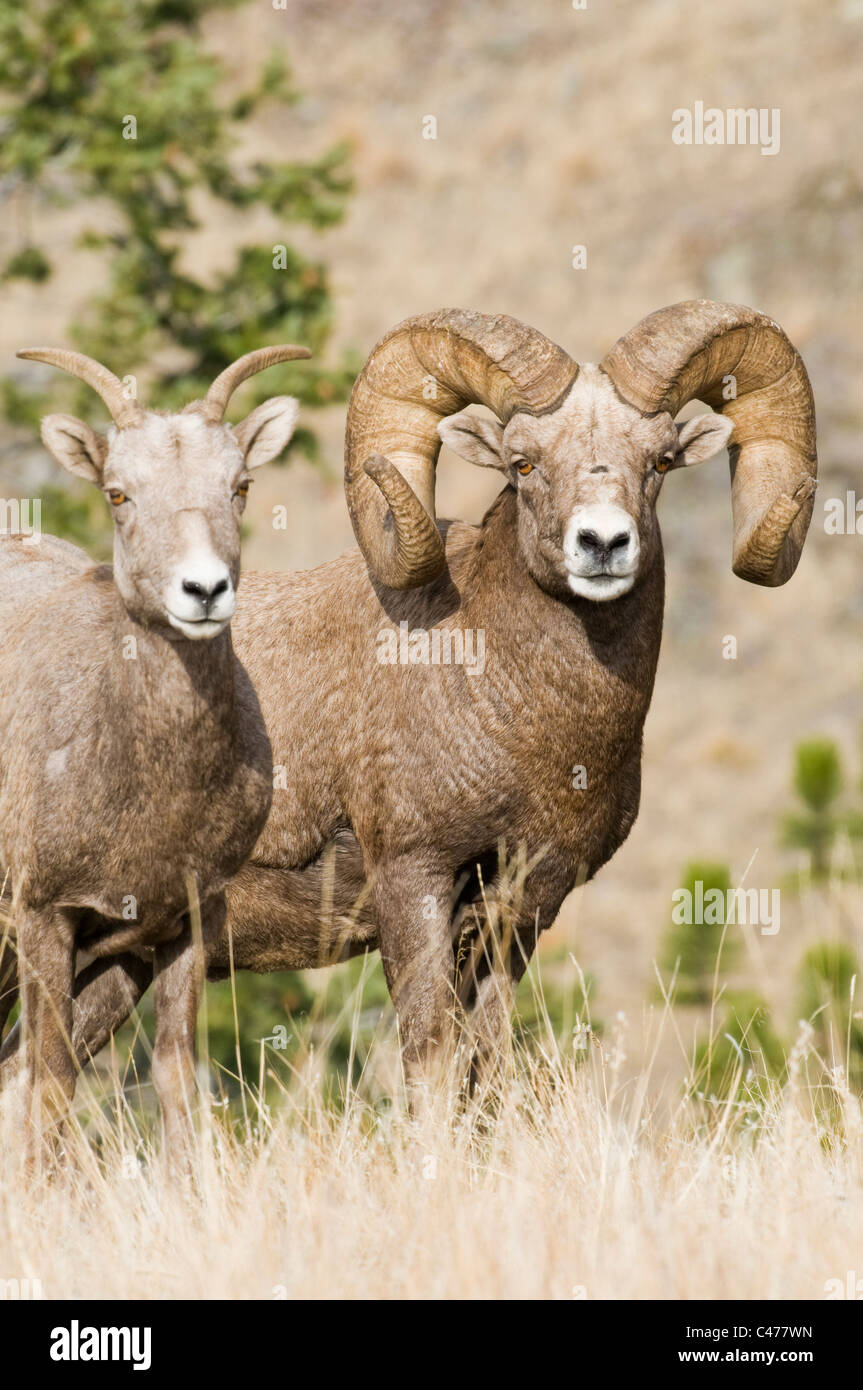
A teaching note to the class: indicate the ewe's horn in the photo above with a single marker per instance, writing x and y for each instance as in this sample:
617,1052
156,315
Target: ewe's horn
705,351
216,400
422,370
124,410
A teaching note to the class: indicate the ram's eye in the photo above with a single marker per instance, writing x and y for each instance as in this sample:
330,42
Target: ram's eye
242,489
663,464
524,467
116,496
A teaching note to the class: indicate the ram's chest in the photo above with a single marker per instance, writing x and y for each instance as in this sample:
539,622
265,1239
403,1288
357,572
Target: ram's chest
570,773
545,757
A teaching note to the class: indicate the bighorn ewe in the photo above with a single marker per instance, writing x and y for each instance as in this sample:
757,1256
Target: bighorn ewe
133,754
409,776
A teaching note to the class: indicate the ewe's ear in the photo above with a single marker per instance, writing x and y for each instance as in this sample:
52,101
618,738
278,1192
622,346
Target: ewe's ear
701,438
75,446
263,435
478,441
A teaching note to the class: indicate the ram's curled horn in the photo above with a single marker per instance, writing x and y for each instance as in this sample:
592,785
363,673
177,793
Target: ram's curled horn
215,403
124,410
740,363
424,369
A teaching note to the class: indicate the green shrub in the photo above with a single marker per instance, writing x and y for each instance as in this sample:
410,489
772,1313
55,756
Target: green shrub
746,1053
818,782
699,952
72,79
828,981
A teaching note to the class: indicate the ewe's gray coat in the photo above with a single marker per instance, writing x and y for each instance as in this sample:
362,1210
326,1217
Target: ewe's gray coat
134,760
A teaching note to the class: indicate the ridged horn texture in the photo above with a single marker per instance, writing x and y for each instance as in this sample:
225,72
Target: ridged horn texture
424,369
125,411
215,403
690,351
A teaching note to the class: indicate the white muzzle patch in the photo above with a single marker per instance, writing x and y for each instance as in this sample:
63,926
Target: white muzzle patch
601,552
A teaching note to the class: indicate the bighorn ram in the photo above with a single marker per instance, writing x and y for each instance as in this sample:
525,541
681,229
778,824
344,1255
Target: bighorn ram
133,754
409,777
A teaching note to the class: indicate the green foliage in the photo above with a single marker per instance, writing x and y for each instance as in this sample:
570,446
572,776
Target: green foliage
818,782
828,982
74,77
692,948
286,1017
282,1020
554,1000
28,264
818,773
745,1055
78,513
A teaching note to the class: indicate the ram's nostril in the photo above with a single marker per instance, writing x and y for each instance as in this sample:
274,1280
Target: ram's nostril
206,593
590,540
619,542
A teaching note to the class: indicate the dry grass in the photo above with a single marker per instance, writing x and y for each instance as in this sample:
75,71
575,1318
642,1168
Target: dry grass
577,1188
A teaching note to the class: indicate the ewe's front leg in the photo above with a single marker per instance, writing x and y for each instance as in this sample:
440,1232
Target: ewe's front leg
179,977
105,993
46,946
8,977
411,899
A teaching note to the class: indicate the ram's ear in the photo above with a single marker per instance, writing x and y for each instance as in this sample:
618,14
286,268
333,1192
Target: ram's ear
264,433
701,438
75,446
476,440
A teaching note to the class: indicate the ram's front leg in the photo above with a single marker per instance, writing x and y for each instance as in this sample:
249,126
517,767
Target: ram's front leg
411,898
504,928
46,945
178,986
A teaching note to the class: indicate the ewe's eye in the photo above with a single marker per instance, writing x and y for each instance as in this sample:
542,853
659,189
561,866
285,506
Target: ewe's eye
664,463
243,488
116,496
523,466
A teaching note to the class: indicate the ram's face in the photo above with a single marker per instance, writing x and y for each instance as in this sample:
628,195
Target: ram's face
587,478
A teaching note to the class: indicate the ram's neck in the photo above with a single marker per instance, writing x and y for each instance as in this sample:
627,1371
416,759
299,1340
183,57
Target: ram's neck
583,670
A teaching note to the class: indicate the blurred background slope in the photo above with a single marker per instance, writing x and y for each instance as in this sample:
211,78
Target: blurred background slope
553,130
